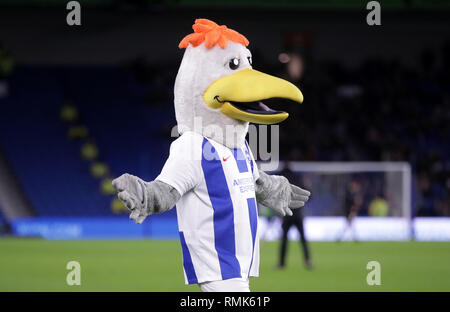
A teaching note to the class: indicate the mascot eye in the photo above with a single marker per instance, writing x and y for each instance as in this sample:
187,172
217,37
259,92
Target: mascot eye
249,60
234,63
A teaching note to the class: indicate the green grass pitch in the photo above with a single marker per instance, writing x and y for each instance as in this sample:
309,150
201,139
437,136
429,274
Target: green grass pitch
146,265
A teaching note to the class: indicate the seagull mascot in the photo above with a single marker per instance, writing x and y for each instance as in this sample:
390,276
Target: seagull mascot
211,175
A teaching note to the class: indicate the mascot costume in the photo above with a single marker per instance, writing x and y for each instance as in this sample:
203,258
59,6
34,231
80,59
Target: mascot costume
211,174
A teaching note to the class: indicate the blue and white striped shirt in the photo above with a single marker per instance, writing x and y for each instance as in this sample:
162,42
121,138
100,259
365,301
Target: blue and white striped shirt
217,212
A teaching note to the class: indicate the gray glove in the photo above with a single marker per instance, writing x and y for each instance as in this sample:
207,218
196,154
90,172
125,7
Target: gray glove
276,193
144,198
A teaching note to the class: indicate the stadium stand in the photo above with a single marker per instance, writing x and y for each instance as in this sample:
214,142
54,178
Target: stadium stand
46,163
55,178
127,131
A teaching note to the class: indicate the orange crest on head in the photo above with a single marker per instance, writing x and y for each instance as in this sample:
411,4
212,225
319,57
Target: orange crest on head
211,34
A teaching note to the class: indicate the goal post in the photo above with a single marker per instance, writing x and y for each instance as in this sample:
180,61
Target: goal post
388,168
380,190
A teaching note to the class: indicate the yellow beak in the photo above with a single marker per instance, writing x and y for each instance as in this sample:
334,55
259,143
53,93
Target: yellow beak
232,94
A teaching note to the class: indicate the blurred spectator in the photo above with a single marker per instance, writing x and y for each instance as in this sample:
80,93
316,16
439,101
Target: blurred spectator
6,68
353,201
378,207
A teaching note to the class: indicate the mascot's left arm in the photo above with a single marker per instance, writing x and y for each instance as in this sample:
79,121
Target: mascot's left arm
277,193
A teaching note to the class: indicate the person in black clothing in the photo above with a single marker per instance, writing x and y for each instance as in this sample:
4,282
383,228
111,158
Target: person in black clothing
353,202
295,220
6,67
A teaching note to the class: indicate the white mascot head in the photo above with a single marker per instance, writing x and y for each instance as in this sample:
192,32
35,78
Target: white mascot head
217,93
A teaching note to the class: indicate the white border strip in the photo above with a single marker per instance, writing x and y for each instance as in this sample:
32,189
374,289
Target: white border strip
349,166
